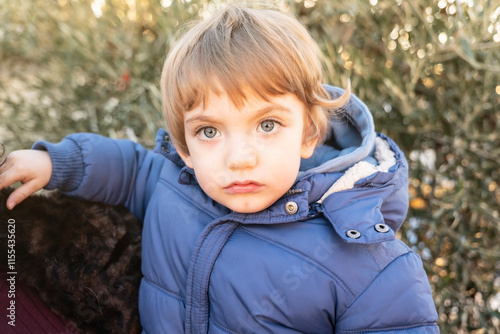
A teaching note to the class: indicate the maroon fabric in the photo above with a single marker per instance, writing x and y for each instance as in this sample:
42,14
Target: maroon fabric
32,315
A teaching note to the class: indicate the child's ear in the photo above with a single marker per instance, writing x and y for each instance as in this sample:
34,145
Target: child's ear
308,146
186,158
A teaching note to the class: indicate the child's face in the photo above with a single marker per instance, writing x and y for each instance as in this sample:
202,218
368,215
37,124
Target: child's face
246,159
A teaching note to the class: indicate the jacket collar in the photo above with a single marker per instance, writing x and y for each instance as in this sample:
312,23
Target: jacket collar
375,206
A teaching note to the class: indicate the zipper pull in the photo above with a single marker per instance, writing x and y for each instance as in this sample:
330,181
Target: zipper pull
314,209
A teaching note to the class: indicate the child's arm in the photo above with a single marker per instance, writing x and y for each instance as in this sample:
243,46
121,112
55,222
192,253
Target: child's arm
113,171
101,169
32,168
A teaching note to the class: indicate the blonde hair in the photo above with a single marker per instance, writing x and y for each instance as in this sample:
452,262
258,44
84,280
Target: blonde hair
245,52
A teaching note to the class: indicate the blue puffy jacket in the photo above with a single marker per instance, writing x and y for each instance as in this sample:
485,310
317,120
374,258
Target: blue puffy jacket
322,259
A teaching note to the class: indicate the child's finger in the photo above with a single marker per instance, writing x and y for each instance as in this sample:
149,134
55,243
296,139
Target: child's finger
21,193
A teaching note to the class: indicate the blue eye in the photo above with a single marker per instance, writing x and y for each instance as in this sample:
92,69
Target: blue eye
209,132
267,126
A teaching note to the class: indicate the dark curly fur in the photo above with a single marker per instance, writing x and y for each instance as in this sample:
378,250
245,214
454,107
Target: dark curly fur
82,257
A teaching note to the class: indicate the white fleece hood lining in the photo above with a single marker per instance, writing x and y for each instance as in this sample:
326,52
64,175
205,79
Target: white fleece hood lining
385,158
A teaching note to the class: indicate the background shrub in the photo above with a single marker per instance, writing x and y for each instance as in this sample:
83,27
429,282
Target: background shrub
429,71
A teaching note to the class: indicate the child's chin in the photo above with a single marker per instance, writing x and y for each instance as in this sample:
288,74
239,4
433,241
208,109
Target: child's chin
248,207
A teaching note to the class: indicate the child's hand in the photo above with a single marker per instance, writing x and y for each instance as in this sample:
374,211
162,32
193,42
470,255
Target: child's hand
32,168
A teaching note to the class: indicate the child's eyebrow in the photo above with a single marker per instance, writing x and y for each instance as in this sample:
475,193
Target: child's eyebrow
200,117
271,108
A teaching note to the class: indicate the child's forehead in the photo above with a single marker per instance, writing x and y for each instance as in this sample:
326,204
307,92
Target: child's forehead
234,98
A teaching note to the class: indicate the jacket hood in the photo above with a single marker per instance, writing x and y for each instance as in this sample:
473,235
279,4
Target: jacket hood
350,138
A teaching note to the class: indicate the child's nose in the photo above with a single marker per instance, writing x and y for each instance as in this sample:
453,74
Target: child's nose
242,155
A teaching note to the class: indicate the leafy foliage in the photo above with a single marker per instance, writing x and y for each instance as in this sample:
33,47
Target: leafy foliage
428,69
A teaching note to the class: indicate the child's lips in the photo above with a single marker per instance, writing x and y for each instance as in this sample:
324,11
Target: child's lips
243,187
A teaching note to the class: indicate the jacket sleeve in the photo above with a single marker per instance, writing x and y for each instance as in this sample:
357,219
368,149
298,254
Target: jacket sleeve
399,300
98,168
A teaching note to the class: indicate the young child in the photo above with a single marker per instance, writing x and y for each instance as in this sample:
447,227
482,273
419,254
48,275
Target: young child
264,212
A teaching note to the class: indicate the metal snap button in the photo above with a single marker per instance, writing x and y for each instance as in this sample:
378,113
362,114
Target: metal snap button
291,208
353,234
382,228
